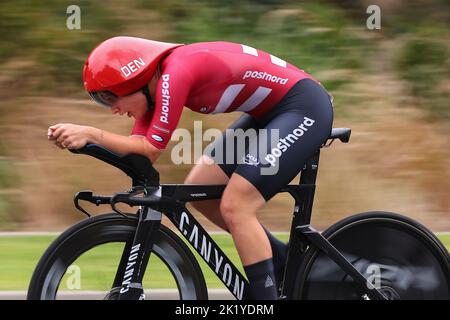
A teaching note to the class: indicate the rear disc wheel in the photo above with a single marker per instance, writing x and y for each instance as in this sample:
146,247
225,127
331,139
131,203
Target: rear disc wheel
394,253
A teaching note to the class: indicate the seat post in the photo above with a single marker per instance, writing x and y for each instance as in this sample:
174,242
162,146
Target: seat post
309,171
304,198
308,176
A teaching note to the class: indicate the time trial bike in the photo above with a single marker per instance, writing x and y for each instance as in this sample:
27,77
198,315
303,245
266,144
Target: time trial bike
371,255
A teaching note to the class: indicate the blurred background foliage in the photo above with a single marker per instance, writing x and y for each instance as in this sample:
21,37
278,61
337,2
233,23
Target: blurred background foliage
400,73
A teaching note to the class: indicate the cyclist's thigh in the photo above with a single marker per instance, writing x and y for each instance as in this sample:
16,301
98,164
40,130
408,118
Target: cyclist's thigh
206,172
295,134
228,150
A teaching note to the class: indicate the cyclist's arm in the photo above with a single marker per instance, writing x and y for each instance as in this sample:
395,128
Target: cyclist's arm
171,94
124,144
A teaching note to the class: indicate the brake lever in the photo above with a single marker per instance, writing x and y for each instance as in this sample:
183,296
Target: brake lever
130,198
120,197
87,195
82,195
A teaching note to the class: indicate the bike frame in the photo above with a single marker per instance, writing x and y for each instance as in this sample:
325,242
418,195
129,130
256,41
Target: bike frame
170,199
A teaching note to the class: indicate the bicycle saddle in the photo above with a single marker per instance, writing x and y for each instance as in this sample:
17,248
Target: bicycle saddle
137,167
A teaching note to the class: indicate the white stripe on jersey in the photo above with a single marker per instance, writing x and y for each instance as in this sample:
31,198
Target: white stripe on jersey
228,97
278,61
249,50
255,99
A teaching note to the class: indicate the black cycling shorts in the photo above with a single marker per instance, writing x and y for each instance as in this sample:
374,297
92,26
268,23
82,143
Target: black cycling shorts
270,151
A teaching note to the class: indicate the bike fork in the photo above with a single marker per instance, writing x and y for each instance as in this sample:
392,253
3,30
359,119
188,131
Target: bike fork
135,257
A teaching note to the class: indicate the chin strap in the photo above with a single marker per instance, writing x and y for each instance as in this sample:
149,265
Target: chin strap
150,104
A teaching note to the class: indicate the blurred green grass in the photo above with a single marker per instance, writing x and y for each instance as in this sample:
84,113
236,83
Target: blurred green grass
424,63
20,254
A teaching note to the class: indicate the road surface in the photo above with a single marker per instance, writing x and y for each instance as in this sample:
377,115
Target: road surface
159,294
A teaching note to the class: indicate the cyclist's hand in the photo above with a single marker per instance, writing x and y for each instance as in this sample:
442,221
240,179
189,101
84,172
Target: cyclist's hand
68,135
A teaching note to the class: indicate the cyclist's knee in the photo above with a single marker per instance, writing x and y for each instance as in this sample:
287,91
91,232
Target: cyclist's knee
235,213
229,210
239,203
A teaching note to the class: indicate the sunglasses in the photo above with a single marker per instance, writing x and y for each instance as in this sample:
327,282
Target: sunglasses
107,98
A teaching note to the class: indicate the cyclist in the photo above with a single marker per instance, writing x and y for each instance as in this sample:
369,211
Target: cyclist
152,81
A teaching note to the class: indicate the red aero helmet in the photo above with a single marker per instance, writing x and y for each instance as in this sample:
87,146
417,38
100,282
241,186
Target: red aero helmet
122,65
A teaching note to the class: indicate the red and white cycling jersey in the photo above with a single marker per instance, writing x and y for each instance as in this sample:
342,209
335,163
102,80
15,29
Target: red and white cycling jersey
215,77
